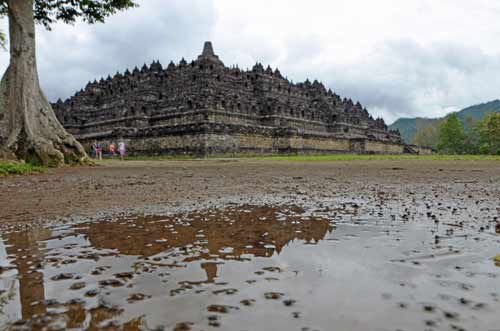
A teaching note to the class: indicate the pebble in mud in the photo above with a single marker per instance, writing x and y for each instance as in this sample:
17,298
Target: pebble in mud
92,293
222,309
213,320
76,302
273,295
124,275
137,297
227,291
429,308
99,270
430,323
247,302
450,315
111,282
77,286
184,326
464,301
63,276
496,260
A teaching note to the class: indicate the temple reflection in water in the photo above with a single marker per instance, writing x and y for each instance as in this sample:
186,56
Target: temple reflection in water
235,234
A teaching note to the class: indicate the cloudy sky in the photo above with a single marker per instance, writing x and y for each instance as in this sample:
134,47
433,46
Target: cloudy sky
399,58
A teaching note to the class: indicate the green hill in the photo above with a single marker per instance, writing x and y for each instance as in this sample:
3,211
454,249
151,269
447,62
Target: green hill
408,126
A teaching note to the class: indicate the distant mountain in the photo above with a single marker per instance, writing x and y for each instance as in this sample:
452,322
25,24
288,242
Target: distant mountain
408,126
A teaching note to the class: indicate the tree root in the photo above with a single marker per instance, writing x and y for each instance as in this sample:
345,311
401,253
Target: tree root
40,150
34,133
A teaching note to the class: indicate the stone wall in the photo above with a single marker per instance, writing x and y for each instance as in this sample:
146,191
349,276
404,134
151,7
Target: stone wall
383,148
423,150
204,140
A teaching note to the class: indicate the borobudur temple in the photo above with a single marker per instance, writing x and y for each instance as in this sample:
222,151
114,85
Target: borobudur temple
205,108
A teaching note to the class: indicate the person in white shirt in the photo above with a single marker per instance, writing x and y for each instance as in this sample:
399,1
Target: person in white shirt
121,149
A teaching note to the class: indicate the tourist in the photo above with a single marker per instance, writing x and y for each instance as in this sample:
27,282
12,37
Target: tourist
112,150
121,149
93,150
99,151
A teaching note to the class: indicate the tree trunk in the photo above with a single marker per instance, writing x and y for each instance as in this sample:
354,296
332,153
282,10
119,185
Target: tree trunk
29,129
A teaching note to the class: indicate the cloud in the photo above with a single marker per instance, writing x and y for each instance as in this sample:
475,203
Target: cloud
411,58
403,78
70,56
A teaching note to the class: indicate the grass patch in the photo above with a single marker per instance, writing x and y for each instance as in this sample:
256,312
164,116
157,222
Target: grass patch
380,157
13,168
319,158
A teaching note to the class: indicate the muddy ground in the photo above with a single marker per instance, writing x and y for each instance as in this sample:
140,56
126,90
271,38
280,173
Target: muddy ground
252,245
135,184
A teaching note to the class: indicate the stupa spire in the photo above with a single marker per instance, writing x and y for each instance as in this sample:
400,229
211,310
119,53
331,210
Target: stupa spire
209,55
208,49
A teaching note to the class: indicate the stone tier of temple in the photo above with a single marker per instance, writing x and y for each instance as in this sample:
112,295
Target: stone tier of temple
204,107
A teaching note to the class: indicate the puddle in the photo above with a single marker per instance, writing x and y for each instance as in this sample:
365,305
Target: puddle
345,266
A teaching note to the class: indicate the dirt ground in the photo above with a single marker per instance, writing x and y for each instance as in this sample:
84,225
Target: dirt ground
114,186
391,245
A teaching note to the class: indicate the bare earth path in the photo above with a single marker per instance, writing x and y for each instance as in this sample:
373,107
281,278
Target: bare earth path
134,184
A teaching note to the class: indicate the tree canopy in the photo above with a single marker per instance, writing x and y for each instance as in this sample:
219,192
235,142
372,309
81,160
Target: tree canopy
452,135
47,12
449,136
489,132
427,135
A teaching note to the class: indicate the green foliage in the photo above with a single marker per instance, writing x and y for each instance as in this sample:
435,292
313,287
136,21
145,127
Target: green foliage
48,12
410,126
378,157
489,134
12,168
427,134
451,136
472,137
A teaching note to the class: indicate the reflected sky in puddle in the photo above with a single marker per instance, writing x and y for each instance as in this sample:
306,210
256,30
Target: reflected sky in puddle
244,267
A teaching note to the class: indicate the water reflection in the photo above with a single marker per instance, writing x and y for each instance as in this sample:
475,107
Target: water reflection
69,262
27,249
229,234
